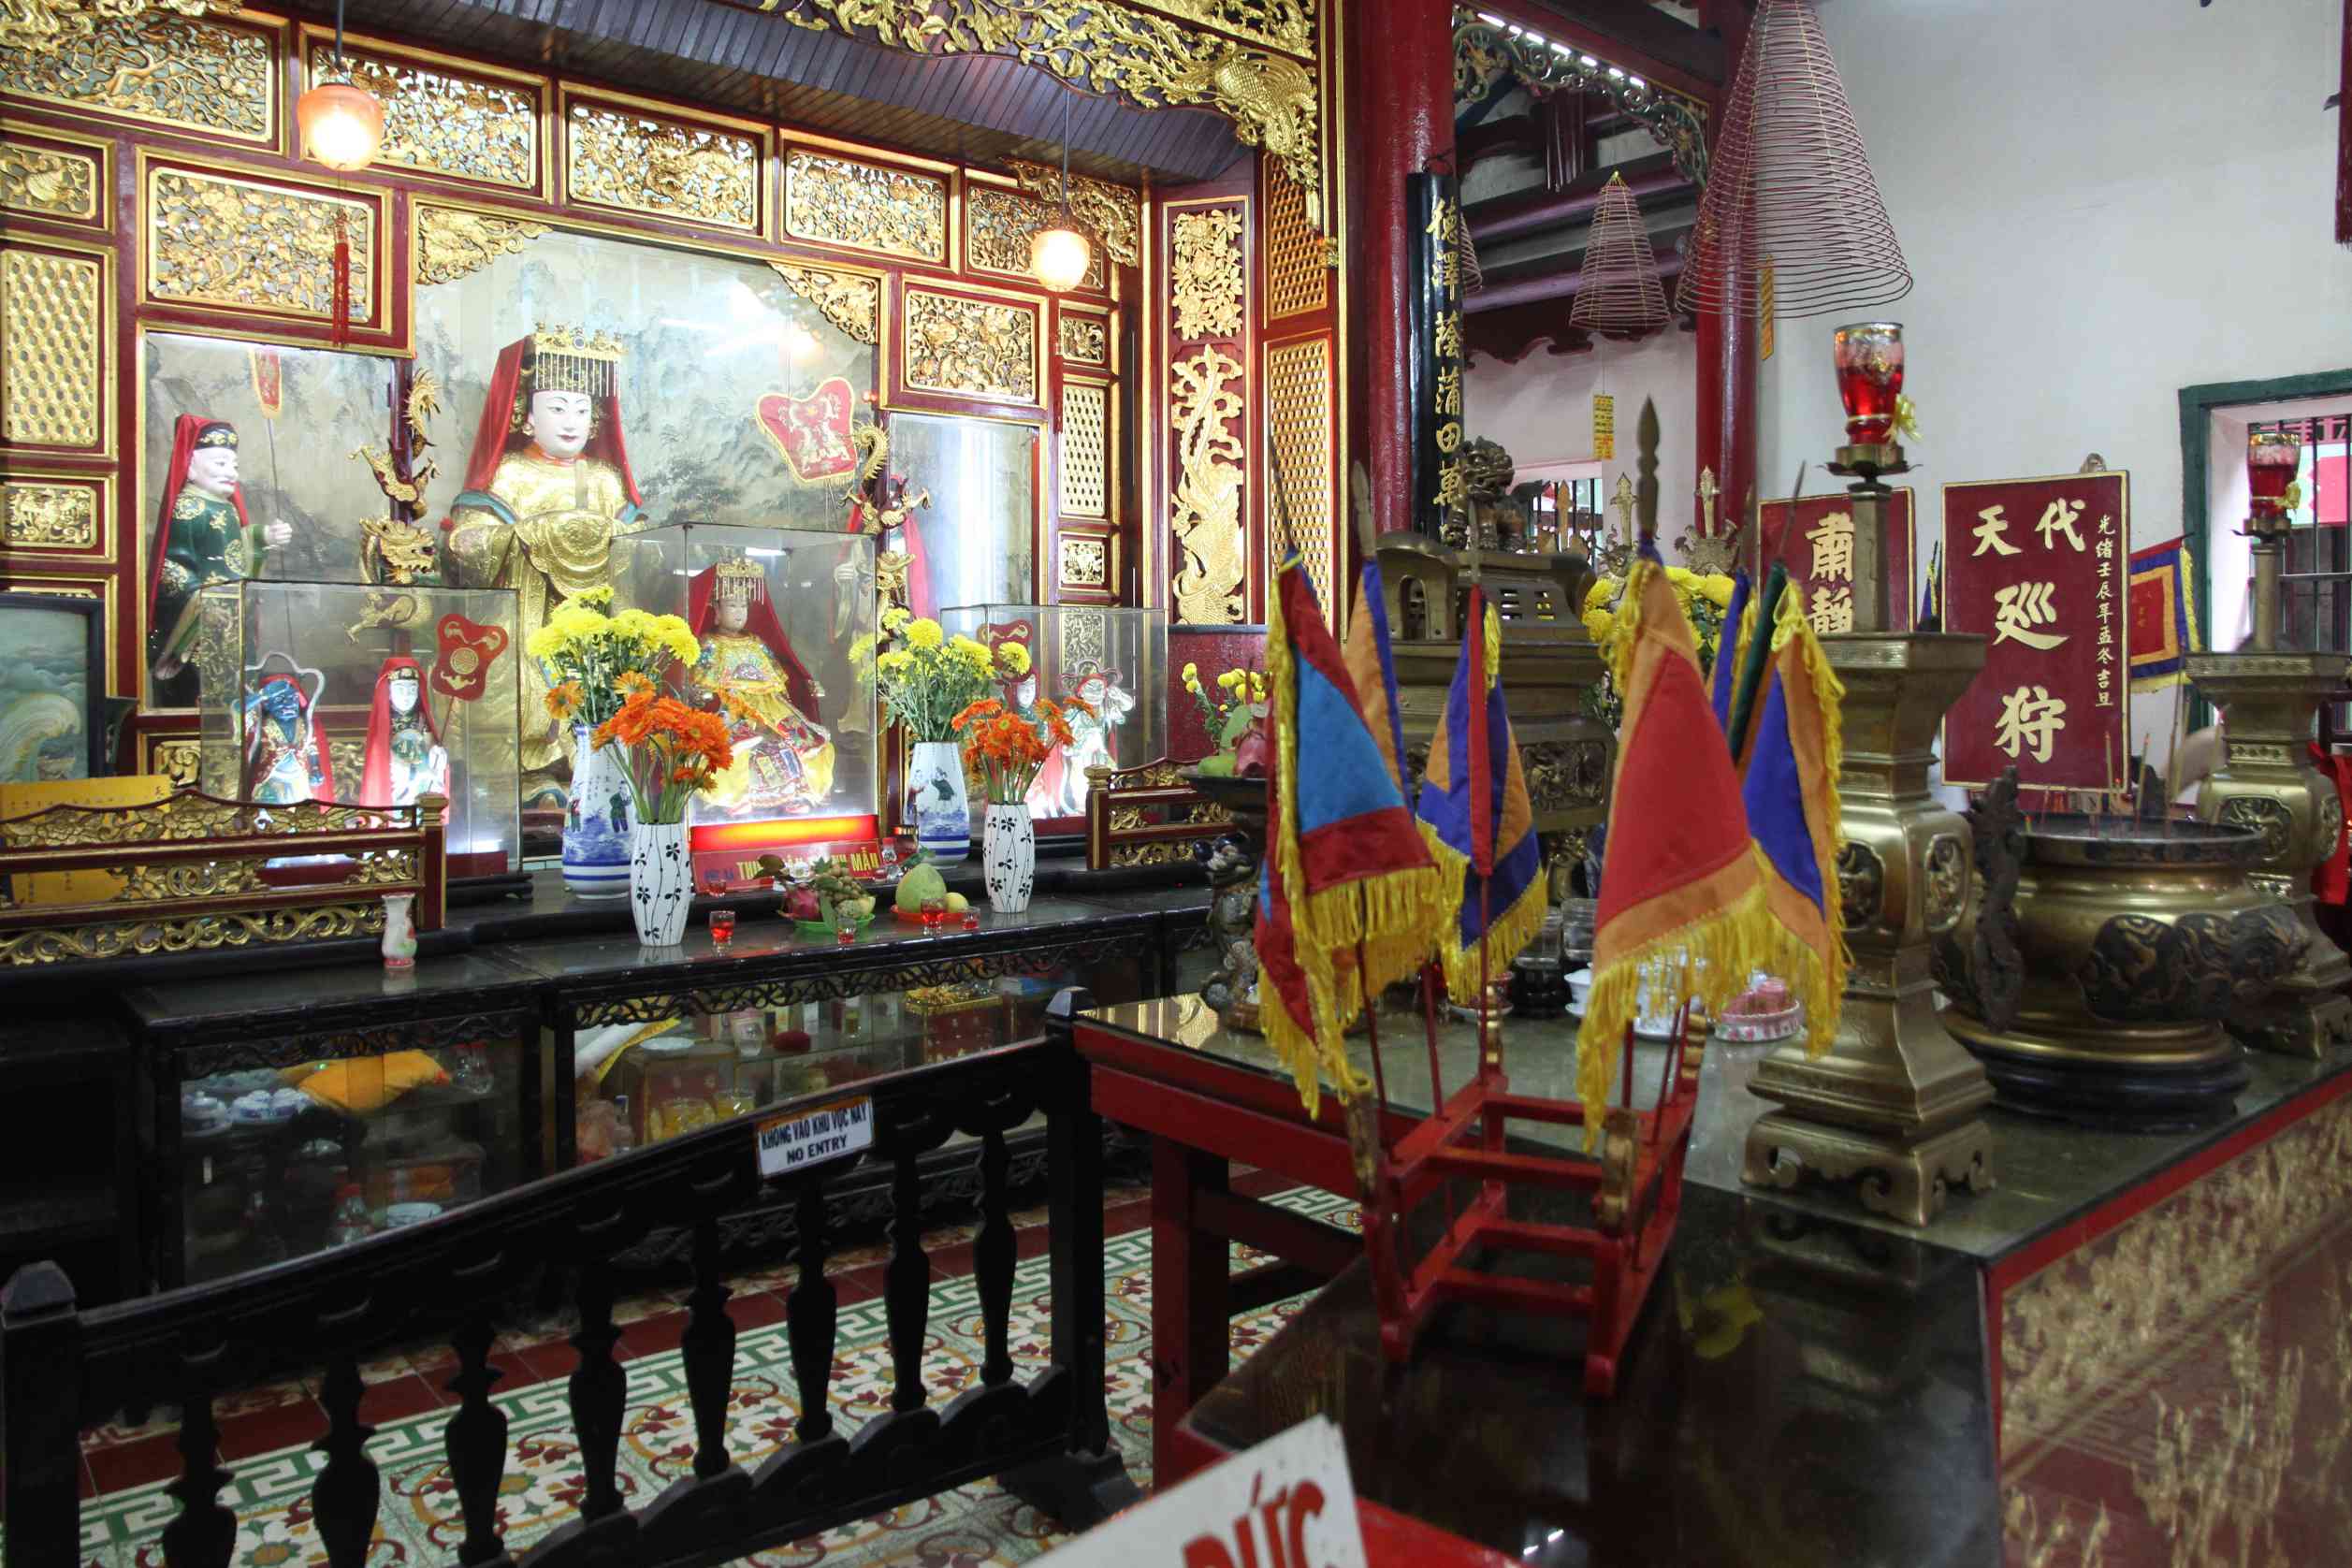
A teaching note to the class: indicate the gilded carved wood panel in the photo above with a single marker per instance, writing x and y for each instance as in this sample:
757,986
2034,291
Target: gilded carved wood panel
56,514
869,206
248,245
44,177
998,225
1085,338
1085,467
619,156
971,348
195,75
469,124
1298,437
56,349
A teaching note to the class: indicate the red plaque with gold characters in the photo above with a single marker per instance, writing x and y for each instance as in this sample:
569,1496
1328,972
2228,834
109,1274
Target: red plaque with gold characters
2040,568
1819,552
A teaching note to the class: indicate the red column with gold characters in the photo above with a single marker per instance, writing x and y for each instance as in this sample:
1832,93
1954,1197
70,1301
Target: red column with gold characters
1400,64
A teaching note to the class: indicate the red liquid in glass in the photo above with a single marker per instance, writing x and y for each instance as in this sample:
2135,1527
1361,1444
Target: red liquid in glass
2270,470
1870,391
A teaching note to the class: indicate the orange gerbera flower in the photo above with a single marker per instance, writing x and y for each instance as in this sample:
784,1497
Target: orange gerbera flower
563,702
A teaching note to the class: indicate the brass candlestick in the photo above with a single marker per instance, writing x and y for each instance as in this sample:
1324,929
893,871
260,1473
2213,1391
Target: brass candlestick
2266,782
1896,1100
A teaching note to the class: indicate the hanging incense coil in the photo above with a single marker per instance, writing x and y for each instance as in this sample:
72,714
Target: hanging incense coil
1617,291
1790,185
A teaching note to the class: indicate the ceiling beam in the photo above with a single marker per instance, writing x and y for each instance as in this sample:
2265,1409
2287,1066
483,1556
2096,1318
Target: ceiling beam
1629,34
1528,212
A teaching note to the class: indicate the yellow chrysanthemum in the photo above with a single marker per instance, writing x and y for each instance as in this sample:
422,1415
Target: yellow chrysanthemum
1598,624
861,650
895,661
972,652
924,634
1603,593
895,617
1718,591
1015,658
543,644
1192,671
1229,680
601,595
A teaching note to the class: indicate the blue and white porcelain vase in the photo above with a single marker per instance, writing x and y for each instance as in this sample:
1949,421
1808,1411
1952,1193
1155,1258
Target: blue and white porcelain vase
936,800
1009,858
660,882
596,821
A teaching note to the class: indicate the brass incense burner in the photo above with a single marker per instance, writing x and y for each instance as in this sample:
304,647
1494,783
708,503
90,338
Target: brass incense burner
1896,1102
2266,783
2142,940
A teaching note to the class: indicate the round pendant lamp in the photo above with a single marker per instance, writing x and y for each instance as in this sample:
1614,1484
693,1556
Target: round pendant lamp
1059,256
342,124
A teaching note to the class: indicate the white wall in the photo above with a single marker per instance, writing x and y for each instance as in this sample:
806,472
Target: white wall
1541,411
2102,202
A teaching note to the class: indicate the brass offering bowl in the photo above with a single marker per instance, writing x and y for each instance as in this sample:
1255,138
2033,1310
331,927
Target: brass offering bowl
2140,939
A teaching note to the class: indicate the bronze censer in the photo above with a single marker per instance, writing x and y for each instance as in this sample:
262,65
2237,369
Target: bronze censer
2141,940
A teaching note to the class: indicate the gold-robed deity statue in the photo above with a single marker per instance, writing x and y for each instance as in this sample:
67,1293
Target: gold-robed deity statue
784,762
548,490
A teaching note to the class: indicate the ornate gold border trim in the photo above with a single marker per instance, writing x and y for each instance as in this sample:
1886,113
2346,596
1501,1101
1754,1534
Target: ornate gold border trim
970,295
950,204
374,202
272,29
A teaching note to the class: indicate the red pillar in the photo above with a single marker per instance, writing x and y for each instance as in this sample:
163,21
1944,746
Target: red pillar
1726,434
1400,64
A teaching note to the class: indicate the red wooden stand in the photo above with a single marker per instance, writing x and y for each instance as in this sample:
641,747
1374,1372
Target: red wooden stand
1635,1187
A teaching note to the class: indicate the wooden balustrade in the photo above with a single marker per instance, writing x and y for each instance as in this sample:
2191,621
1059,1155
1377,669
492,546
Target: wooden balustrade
1047,1438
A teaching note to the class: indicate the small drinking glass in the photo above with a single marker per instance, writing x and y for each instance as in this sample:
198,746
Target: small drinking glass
845,930
722,927
934,914
971,919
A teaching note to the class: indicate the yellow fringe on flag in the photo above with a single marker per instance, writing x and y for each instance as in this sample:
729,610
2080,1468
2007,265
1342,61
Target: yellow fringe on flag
1394,918
1507,933
1821,987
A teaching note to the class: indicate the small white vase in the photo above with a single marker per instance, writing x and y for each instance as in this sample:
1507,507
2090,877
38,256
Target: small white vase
660,882
936,800
1009,857
400,931
596,821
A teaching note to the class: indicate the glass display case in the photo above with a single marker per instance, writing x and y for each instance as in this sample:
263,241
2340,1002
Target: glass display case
1114,660
777,612
309,1108
366,696
972,509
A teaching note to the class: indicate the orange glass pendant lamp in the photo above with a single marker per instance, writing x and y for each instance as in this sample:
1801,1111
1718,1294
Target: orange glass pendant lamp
342,124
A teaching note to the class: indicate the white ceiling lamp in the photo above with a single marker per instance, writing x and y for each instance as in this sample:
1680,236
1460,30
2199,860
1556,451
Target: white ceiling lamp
1060,255
342,122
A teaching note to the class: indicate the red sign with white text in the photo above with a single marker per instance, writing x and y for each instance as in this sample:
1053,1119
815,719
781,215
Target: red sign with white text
2039,568
1819,554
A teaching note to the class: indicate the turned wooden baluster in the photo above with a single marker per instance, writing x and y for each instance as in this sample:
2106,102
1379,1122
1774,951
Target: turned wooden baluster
907,1285
708,1351
345,1495
475,1442
203,1533
598,1388
993,1260
809,1315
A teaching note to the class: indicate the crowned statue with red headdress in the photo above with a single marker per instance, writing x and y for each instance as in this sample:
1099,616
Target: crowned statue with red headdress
202,535
783,762
404,760
548,489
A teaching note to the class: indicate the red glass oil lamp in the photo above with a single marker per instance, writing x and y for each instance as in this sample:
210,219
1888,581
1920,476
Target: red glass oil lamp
1869,359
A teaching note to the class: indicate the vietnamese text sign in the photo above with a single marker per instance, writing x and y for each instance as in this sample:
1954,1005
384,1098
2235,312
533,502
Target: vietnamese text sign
1286,1503
2036,568
814,1136
1819,552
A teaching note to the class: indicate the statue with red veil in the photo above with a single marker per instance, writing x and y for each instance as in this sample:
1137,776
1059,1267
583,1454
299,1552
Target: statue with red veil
404,760
548,489
784,762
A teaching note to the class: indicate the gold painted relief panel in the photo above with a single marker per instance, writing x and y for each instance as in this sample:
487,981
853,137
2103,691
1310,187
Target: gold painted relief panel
438,120
1085,338
1112,213
1297,273
161,69
1298,432
47,180
56,349
870,207
213,241
615,156
1085,562
1205,509
57,513
998,225
971,348
1207,273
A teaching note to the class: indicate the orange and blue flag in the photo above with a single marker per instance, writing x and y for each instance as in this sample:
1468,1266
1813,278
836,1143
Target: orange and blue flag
1789,786
1477,818
1348,897
1372,664
1681,883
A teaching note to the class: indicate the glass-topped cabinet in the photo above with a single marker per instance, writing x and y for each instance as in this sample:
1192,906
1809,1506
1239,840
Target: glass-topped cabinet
778,612
1113,663
302,1110
364,696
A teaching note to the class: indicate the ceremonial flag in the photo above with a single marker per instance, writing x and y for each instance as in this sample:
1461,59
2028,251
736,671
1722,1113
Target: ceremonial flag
2161,600
1477,818
1728,646
1683,882
1373,667
1931,594
1790,789
1348,898
1755,652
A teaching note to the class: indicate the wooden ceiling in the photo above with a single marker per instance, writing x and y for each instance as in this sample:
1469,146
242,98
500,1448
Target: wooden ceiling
976,108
